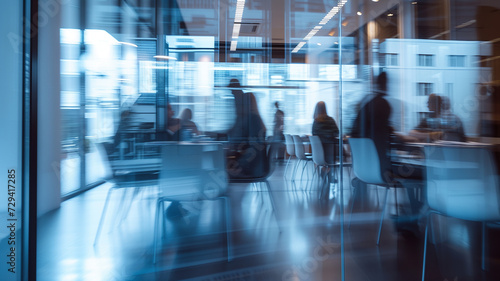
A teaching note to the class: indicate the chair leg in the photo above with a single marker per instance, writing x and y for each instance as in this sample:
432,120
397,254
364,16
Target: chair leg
273,204
122,203
229,240
425,246
352,207
127,211
382,216
303,169
294,170
396,198
483,248
313,175
159,208
103,215
286,167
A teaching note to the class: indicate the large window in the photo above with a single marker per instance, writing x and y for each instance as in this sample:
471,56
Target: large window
456,61
424,89
425,60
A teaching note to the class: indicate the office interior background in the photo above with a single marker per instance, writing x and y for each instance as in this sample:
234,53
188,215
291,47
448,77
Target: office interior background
70,73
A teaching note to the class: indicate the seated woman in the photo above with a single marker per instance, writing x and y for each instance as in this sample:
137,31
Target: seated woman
429,128
441,124
188,127
325,127
453,129
173,126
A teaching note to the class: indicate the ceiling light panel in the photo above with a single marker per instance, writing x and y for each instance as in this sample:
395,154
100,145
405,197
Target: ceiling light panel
238,17
324,21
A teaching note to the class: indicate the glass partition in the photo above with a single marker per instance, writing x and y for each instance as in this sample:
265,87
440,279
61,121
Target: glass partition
399,77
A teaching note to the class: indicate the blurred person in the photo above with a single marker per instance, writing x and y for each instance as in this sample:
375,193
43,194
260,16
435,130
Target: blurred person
429,129
326,128
120,134
187,126
278,136
173,126
247,147
279,123
373,121
453,129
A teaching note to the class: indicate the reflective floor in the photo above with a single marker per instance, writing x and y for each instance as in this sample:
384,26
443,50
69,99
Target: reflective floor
299,239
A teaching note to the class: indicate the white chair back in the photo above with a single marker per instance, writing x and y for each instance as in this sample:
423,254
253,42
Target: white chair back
299,147
365,161
462,182
103,155
194,171
290,147
318,154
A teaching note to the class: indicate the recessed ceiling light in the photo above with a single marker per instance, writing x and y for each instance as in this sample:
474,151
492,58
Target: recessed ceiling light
414,3
160,57
375,0
359,13
128,44
390,14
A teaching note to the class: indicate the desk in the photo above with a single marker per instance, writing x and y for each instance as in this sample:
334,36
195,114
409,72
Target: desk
151,164
409,158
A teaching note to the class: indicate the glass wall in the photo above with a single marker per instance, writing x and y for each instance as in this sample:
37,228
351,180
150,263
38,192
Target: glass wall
128,68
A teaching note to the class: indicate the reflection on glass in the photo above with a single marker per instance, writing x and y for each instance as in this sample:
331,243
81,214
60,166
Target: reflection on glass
135,71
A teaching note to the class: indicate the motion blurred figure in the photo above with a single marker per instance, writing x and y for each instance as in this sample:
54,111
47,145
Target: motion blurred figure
247,153
429,129
373,122
188,127
326,128
173,126
279,123
278,136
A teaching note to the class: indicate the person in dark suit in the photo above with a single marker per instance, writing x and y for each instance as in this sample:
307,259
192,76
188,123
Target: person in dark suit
373,121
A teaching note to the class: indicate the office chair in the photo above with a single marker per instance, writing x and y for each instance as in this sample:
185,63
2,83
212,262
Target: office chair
366,166
461,183
192,172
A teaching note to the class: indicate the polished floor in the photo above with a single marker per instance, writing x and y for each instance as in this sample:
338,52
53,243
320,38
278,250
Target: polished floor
297,239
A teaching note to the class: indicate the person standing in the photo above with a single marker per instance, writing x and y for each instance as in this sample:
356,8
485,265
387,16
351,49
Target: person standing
278,136
279,123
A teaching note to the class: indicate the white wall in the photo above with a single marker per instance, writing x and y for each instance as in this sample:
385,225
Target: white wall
49,117
10,126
